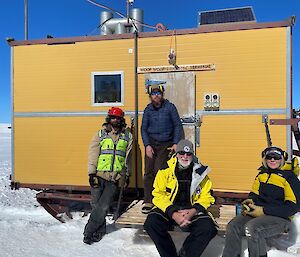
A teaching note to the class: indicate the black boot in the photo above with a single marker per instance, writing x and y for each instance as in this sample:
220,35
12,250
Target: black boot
97,237
87,240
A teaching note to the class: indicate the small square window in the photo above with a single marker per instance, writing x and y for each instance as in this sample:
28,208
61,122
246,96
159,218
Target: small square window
108,88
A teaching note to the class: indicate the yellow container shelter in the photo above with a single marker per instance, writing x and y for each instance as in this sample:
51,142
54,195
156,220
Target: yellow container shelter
227,80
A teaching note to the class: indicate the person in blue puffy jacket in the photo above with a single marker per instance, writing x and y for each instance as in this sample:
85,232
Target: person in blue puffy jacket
161,131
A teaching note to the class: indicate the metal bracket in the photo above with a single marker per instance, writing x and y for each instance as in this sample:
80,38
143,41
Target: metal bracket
265,118
188,120
191,120
295,129
132,121
198,123
194,121
198,120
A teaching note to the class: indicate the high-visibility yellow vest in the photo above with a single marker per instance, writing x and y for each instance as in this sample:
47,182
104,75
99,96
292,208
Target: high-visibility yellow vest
112,155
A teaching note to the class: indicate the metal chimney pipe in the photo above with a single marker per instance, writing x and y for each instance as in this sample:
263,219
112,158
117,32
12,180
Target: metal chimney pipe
110,25
120,29
104,17
137,15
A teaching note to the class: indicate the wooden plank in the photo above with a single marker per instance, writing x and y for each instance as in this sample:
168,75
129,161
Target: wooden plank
134,218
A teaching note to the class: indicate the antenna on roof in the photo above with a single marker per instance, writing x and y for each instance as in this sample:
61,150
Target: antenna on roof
128,3
26,19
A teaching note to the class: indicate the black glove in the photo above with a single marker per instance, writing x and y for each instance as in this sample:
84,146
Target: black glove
93,180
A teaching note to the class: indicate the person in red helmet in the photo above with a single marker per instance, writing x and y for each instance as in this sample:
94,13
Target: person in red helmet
108,158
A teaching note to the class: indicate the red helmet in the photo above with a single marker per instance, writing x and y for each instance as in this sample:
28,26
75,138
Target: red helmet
116,111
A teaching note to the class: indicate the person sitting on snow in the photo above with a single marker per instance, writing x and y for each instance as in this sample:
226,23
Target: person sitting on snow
274,199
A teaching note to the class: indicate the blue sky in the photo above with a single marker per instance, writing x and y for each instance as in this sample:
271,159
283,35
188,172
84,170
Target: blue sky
67,18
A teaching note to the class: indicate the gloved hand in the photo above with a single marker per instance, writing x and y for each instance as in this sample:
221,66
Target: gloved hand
93,180
256,211
248,201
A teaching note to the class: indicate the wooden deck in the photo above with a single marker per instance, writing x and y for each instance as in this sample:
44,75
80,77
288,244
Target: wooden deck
134,218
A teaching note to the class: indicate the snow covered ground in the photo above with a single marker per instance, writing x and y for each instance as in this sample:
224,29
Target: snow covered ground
27,230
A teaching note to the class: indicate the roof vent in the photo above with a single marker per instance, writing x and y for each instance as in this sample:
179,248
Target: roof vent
241,14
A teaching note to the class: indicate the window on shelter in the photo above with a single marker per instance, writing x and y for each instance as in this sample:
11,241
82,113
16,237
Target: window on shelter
108,88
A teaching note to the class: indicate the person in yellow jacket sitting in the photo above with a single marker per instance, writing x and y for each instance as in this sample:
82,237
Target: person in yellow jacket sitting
274,199
109,155
181,195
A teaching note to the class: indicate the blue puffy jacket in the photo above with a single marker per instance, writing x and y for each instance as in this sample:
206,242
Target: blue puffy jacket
161,124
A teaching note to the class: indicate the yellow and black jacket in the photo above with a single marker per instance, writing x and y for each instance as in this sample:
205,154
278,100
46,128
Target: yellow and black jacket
166,188
278,191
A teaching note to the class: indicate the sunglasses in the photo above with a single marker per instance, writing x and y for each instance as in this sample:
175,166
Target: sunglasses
275,157
183,153
156,93
115,117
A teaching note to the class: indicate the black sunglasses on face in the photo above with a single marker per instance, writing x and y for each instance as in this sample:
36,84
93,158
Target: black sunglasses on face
183,153
275,157
115,117
156,93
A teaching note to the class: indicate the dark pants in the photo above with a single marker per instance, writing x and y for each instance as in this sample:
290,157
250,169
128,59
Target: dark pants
256,230
152,165
202,230
102,198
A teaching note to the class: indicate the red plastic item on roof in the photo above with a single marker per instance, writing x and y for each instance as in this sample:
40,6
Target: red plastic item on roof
160,27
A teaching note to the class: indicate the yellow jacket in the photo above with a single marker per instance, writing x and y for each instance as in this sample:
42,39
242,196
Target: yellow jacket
166,187
278,191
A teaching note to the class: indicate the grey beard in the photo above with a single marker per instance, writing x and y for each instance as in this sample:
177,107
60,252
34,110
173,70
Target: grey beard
180,167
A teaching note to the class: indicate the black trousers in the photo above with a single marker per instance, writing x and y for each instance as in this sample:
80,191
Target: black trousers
102,198
202,230
152,165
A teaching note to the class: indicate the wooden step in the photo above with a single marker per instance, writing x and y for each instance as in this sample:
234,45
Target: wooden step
133,216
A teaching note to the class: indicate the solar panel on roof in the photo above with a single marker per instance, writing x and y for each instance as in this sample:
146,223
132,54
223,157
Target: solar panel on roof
227,15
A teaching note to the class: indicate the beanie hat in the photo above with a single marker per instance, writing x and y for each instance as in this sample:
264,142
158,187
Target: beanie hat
186,146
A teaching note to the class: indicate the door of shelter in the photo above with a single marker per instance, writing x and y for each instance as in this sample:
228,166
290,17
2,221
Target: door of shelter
180,90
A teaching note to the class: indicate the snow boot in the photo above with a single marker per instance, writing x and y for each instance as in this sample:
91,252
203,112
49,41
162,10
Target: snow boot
97,237
147,207
87,240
